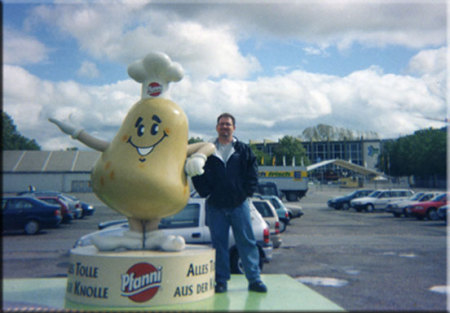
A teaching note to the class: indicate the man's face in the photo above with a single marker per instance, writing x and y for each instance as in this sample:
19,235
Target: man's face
225,127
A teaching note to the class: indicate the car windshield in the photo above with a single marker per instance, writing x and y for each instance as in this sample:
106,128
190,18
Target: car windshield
427,196
275,203
417,196
439,197
188,217
263,208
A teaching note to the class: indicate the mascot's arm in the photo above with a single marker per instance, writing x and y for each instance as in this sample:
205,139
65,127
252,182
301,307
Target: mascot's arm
81,135
197,154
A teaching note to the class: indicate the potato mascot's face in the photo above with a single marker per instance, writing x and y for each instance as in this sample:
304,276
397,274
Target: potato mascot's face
141,174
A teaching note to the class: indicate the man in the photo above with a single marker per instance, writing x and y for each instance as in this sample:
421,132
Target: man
230,177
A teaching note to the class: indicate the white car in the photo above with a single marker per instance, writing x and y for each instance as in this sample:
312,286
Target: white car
269,214
190,223
379,199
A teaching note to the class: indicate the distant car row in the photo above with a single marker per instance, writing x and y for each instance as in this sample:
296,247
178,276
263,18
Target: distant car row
32,211
431,205
268,213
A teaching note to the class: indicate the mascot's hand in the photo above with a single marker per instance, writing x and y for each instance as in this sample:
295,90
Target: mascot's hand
194,164
66,128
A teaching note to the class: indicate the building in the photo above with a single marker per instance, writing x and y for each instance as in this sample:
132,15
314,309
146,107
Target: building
70,171
360,152
65,171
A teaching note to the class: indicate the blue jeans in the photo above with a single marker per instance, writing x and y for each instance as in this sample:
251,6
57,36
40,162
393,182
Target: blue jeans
219,221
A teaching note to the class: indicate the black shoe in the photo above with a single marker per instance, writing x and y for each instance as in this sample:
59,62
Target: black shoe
257,286
221,287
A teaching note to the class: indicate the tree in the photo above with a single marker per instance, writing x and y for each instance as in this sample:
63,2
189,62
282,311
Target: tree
263,158
422,154
12,139
195,140
288,148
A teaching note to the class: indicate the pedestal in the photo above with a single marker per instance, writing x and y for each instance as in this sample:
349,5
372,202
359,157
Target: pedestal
140,278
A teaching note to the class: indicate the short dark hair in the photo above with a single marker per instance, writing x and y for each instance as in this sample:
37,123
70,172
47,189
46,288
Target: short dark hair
226,115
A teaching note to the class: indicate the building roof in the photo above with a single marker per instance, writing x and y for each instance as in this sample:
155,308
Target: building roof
348,165
48,161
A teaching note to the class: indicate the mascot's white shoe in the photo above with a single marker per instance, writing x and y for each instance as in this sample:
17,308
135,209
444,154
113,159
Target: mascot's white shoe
157,240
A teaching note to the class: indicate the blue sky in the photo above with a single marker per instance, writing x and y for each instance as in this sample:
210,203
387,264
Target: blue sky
279,67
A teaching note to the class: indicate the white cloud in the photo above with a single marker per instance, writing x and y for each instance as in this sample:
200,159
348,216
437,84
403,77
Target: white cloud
429,62
88,69
268,107
205,38
20,49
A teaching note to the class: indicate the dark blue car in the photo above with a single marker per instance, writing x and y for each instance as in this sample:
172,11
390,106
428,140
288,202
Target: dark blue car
29,214
343,202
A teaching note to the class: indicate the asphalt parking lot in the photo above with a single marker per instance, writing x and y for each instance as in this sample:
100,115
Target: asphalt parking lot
361,261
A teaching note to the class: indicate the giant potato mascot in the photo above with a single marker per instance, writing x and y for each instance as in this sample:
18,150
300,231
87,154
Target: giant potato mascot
142,172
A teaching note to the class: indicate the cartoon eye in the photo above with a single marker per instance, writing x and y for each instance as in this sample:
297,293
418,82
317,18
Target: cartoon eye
140,130
155,129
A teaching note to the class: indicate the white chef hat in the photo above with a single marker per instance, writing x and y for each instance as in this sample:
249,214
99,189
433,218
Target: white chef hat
155,71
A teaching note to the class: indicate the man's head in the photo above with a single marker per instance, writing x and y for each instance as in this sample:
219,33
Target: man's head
225,127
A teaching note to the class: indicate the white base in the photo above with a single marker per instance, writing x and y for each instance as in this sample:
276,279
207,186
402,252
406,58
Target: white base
140,278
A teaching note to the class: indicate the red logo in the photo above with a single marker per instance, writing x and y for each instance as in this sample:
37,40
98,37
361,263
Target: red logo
154,89
141,282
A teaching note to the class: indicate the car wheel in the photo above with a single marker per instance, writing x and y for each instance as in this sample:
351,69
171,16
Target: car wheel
291,196
405,213
369,208
32,227
396,214
345,206
432,214
282,226
236,266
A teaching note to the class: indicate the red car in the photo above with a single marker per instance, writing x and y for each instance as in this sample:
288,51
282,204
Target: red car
67,214
428,209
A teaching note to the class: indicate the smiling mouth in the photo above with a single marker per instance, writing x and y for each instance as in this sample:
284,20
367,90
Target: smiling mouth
145,151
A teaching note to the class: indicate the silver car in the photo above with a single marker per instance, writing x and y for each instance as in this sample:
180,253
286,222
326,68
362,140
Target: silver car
399,208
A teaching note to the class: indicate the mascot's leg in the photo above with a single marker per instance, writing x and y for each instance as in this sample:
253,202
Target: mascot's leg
134,239
129,240
143,235
157,240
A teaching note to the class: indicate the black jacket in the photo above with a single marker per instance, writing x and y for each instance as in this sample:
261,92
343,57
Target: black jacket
229,185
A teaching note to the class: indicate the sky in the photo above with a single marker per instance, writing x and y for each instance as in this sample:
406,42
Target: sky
278,66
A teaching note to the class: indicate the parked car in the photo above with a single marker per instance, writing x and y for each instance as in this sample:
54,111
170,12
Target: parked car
343,202
190,223
429,209
399,208
29,214
295,211
283,213
67,214
442,212
268,189
379,199
87,209
74,205
269,214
